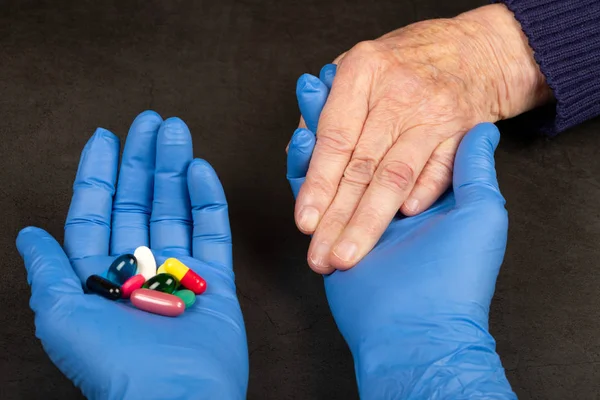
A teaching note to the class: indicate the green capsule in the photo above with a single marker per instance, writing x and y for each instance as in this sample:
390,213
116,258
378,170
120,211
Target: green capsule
165,283
188,297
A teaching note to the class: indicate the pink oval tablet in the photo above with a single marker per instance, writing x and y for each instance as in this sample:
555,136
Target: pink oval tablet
131,284
157,302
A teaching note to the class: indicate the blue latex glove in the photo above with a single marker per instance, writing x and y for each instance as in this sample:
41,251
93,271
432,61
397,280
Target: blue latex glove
175,205
414,312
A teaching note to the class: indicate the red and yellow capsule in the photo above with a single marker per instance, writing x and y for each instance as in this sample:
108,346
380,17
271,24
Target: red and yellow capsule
187,277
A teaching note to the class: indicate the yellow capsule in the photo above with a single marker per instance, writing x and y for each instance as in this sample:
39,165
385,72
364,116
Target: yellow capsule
176,268
161,270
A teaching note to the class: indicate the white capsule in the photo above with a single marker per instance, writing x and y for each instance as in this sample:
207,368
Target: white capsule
145,262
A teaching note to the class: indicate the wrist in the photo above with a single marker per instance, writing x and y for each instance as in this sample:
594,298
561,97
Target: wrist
517,81
429,362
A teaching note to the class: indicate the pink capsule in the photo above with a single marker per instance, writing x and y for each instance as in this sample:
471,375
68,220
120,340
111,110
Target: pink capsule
131,284
157,302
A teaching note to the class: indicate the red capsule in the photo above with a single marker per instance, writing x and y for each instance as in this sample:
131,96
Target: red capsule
131,284
157,302
187,277
193,282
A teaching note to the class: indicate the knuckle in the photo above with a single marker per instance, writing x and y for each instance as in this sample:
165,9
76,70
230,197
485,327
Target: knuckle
338,59
371,223
335,141
319,187
397,176
367,55
440,172
334,221
360,170
365,47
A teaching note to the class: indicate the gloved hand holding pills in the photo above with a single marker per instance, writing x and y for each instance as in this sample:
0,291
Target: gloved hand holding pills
138,250
135,277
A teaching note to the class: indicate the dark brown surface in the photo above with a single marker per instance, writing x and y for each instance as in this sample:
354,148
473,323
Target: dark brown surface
229,68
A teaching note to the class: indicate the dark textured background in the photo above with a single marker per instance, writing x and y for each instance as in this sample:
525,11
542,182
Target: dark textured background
229,68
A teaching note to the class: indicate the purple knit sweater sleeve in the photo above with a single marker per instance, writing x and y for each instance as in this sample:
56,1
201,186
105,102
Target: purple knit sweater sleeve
565,38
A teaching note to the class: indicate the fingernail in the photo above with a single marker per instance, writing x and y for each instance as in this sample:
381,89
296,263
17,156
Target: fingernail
412,205
319,255
308,219
345,251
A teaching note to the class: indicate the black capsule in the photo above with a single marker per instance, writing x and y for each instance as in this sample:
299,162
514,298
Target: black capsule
103,287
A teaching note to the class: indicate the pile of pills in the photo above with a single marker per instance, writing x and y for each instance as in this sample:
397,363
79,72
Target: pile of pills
168,290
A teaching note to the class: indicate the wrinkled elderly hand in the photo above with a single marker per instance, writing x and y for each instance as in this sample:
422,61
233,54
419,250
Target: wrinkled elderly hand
396,112
415,310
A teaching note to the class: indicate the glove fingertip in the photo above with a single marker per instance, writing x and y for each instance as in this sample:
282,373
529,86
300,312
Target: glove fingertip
489,131
174,129
307,83
103,133
302,139
299,153
474,177
30,229
26,236
204,183
327,74
150,116
200,168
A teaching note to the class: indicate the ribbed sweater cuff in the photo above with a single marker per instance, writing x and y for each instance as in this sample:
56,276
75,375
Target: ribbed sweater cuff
565,38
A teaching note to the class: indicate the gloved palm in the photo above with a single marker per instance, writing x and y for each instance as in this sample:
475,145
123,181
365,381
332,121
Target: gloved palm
174,205
414,311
